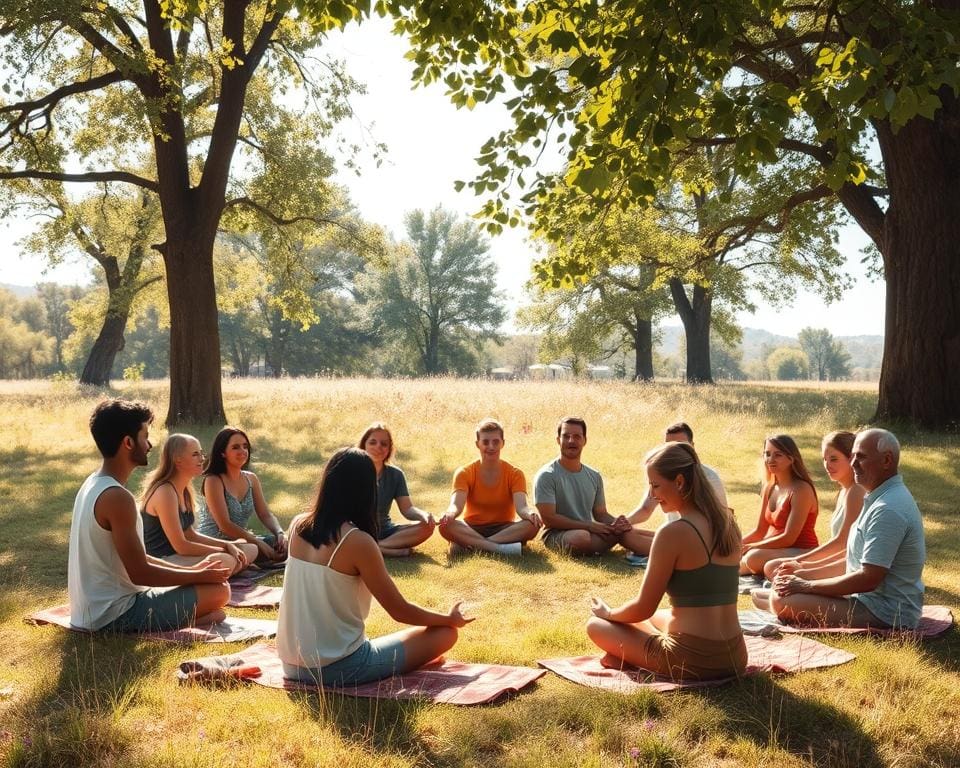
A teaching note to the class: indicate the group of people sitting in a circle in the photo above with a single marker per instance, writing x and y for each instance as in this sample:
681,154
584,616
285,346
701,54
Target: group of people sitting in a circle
163,563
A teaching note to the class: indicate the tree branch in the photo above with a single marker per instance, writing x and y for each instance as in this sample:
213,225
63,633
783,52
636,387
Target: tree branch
48,103
90,176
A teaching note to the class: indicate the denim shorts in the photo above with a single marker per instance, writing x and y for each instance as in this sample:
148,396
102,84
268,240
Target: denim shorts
373,660
157,610
391,528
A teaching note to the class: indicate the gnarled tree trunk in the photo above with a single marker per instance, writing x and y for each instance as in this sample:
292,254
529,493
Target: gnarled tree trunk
105,349
920,377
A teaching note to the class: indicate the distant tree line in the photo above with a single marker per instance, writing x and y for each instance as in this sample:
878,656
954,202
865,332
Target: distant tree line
422,306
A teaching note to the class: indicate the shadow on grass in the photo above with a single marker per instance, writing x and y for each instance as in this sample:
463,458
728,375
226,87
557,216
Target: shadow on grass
37,491
531,561
411,565
759,710
73,716
944,651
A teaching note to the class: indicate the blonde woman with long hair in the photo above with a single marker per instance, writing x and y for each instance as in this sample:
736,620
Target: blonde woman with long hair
694,561
167,507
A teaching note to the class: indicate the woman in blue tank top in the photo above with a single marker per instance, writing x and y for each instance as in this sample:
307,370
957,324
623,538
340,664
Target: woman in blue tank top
693,560
232,494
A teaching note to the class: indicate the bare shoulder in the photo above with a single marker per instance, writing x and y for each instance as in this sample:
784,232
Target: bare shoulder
359,541
115,504
212,481
116,496
251,478
674,534
804,494
855,496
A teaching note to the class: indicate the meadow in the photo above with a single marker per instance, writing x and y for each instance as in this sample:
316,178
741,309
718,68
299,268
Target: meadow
73,700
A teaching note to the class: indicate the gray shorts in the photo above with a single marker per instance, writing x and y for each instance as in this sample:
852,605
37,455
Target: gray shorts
157,610
552,538
373,660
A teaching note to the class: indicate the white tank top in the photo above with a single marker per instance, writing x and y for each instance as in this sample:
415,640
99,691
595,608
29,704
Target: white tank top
322,612
100,589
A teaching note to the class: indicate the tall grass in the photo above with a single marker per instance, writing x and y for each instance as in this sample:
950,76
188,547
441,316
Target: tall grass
68,699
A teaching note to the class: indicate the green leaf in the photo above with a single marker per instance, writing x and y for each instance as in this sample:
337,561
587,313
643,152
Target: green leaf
662,133
889,99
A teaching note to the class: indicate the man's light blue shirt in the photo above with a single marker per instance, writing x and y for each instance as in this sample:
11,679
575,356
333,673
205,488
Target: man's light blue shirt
889,534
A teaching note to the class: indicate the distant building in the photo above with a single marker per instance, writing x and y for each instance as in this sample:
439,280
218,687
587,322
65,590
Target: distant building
551,371
599,371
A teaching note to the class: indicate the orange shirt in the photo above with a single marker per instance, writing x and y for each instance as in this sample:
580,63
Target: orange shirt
489,504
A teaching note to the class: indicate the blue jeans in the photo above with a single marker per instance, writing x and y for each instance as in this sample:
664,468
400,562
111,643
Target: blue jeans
373,660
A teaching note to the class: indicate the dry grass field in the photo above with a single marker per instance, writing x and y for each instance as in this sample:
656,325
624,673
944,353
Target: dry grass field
72,700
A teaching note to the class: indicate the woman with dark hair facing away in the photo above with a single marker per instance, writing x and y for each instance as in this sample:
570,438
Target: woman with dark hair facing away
694,561
232,494
830,558
394,540
167,510
334,568
788,512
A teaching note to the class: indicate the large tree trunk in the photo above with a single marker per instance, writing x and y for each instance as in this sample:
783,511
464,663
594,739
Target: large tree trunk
195,392
920,377
431,359
695,315
277,343
643,347
105,349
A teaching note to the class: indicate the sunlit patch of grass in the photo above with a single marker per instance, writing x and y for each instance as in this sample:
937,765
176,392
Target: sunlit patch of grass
115,701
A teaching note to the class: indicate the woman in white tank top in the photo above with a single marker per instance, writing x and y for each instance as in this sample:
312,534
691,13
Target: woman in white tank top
334,567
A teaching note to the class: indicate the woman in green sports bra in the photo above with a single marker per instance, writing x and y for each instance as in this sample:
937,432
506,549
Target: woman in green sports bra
695,562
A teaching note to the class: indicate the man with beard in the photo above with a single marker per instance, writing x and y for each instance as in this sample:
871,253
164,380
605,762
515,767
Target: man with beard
569,496
114,584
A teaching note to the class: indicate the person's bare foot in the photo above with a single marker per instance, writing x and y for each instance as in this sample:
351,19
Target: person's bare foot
396,551
761,598
209,619
609,661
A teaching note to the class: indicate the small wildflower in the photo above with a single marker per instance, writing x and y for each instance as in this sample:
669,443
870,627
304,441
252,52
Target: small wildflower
635,753
649,725
27,741
201,734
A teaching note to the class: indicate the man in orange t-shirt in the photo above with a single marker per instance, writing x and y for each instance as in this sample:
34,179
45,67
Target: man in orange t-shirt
491,494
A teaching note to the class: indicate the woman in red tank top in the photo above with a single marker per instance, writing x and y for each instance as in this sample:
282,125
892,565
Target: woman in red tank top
788,513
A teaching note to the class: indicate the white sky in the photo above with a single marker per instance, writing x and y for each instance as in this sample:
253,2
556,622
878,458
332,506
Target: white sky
432,144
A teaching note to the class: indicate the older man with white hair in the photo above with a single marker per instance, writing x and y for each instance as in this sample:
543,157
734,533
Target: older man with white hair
886,551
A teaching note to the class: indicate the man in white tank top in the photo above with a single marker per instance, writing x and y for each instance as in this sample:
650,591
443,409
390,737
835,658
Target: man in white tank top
675,433
111,579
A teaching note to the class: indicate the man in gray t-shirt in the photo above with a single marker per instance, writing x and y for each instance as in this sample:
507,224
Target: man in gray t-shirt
569,496
886,551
